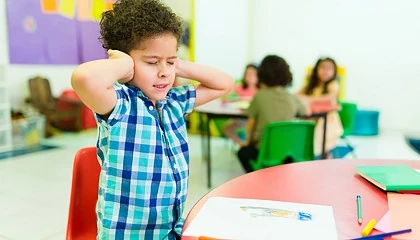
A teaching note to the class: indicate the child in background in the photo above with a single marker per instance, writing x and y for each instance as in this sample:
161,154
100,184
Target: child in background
246,91
323,87
272,103
142,144
248,86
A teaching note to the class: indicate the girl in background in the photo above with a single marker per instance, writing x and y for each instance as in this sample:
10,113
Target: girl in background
245,91
248,86
323,87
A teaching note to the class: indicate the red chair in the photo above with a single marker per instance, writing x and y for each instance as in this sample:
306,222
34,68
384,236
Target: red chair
81,223
87,117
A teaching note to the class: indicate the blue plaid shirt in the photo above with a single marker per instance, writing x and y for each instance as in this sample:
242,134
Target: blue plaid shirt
143,153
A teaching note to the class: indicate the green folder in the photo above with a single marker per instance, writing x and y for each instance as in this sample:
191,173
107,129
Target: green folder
391,177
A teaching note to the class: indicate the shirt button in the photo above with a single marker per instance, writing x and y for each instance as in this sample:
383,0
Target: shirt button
150,108
175,166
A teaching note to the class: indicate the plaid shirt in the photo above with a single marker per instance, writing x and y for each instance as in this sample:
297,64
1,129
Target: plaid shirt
144,165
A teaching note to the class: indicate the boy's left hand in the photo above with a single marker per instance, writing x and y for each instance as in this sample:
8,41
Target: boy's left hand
179,63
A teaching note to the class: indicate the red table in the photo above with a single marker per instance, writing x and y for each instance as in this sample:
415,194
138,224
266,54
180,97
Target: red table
326,182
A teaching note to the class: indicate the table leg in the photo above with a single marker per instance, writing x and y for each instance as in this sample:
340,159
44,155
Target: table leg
208,153
324,137
202,127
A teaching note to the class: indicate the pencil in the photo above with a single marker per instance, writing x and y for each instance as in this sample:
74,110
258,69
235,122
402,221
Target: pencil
359,209
383,235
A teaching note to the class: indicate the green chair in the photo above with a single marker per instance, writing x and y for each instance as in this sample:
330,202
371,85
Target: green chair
347,115
219,123
282,140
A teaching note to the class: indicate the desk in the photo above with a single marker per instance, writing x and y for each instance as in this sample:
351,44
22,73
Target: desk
328,182
215,109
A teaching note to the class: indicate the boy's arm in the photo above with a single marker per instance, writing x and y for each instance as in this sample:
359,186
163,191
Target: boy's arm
301,91
93,81
302,107
250,129
213,83
252,112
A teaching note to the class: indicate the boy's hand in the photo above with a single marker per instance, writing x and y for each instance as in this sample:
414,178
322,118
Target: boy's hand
115,54
178,67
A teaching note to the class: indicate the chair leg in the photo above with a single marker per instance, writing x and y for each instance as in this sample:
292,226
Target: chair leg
48,128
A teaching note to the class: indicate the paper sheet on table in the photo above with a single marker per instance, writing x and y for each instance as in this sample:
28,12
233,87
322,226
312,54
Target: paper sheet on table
384,225
404,210
234,218
238,104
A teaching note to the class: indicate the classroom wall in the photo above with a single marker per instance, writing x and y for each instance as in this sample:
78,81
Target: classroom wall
221,41
222,34
18,75
3,35
377,41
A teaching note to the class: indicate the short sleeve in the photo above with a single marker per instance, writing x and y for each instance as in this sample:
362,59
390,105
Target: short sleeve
185,96
121,107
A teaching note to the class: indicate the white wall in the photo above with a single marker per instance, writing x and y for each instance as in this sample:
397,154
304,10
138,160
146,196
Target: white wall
377,41
222,34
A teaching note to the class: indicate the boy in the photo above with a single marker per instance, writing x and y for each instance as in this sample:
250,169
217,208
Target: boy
142,141
272,103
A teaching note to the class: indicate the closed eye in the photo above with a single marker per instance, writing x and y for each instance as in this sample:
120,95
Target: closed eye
152,63
171,63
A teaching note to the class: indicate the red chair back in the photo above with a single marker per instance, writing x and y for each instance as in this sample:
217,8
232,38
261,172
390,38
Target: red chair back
81,223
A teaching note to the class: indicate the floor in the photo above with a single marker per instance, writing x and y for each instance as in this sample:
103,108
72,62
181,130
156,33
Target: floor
35,188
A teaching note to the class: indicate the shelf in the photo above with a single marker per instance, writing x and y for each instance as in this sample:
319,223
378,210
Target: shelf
5,148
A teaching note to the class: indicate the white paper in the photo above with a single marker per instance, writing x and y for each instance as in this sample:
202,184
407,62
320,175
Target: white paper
234,219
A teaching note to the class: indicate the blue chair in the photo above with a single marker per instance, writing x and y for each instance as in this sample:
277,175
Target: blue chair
414,143
366,123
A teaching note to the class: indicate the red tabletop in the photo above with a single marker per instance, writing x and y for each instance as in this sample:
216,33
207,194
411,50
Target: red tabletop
325,182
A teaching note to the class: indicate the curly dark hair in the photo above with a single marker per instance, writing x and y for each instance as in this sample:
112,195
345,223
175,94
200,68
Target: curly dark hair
132,21
274,71
314,79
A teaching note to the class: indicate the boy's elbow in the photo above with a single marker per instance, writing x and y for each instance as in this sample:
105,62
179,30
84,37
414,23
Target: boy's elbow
79,78
230,83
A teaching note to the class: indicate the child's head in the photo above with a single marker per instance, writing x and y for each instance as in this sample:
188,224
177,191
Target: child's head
250,78
324,72
274,71
150,33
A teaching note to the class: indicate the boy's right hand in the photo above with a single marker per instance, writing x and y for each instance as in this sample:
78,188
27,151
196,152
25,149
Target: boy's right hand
115,54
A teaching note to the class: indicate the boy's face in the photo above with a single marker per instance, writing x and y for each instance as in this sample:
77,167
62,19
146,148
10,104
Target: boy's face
154,66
